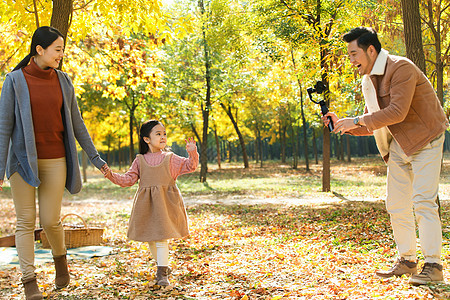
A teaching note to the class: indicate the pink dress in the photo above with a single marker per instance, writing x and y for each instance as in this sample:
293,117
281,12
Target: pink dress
158,209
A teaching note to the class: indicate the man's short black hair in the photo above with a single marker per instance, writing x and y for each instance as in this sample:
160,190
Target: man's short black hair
364,36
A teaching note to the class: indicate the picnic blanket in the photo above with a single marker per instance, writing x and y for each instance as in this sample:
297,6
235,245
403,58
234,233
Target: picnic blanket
9,258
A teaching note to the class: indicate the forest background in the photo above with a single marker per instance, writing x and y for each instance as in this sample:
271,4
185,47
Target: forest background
234,75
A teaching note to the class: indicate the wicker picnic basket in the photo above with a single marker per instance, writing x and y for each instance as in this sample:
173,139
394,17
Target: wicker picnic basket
77,235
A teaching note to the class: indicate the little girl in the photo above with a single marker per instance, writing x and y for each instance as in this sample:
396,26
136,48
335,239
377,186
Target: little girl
158,212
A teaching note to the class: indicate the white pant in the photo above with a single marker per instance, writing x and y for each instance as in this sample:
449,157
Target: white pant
413,183
160,252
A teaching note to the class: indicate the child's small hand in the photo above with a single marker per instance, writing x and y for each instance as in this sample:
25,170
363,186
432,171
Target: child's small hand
190,144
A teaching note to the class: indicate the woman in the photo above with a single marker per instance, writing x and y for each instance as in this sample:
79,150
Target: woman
39,122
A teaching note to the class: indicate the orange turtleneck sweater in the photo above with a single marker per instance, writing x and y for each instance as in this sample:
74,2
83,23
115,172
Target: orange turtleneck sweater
46,102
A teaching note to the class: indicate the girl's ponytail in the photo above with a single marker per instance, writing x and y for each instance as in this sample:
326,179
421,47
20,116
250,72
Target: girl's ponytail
44,36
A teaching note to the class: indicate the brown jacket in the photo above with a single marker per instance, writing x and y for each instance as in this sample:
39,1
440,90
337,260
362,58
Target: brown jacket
409,106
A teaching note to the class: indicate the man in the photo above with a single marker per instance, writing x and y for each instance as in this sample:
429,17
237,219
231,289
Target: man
404,114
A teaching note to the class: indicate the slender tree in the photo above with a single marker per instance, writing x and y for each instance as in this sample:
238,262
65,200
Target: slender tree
436,17
229,112
206,104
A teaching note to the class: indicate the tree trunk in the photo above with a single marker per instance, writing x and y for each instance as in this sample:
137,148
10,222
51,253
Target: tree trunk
339,151
256,148
62,15
131,128
326,169
316,155
206,105
305,136
299,151
334,146
223,148
293,141
120,153
194,130
36,14
260,146
436,31
349,152
227,109
61,18
283,141
413,33
326,178
217,148
294,148
108,147
440,79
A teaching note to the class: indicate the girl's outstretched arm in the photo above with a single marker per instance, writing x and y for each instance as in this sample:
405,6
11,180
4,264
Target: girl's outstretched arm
182,165
127,179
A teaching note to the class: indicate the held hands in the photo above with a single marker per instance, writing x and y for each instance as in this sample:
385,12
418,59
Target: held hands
340,125
190,144
106,171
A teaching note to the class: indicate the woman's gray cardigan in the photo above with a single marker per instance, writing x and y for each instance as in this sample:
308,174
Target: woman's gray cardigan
17,144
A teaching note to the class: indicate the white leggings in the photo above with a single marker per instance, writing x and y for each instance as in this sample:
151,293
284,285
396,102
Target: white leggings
160,252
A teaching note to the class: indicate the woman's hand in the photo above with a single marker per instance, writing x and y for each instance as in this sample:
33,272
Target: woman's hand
190,144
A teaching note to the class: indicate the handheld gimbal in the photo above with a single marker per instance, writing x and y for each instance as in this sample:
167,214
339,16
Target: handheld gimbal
319,88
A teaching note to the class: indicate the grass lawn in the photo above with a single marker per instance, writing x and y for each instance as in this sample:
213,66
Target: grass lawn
327,249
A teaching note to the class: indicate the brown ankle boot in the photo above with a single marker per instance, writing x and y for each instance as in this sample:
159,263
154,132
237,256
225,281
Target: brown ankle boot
401,267
431,272
162,274
62,277
31,289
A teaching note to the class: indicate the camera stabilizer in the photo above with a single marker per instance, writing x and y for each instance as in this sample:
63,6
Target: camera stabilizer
319,88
